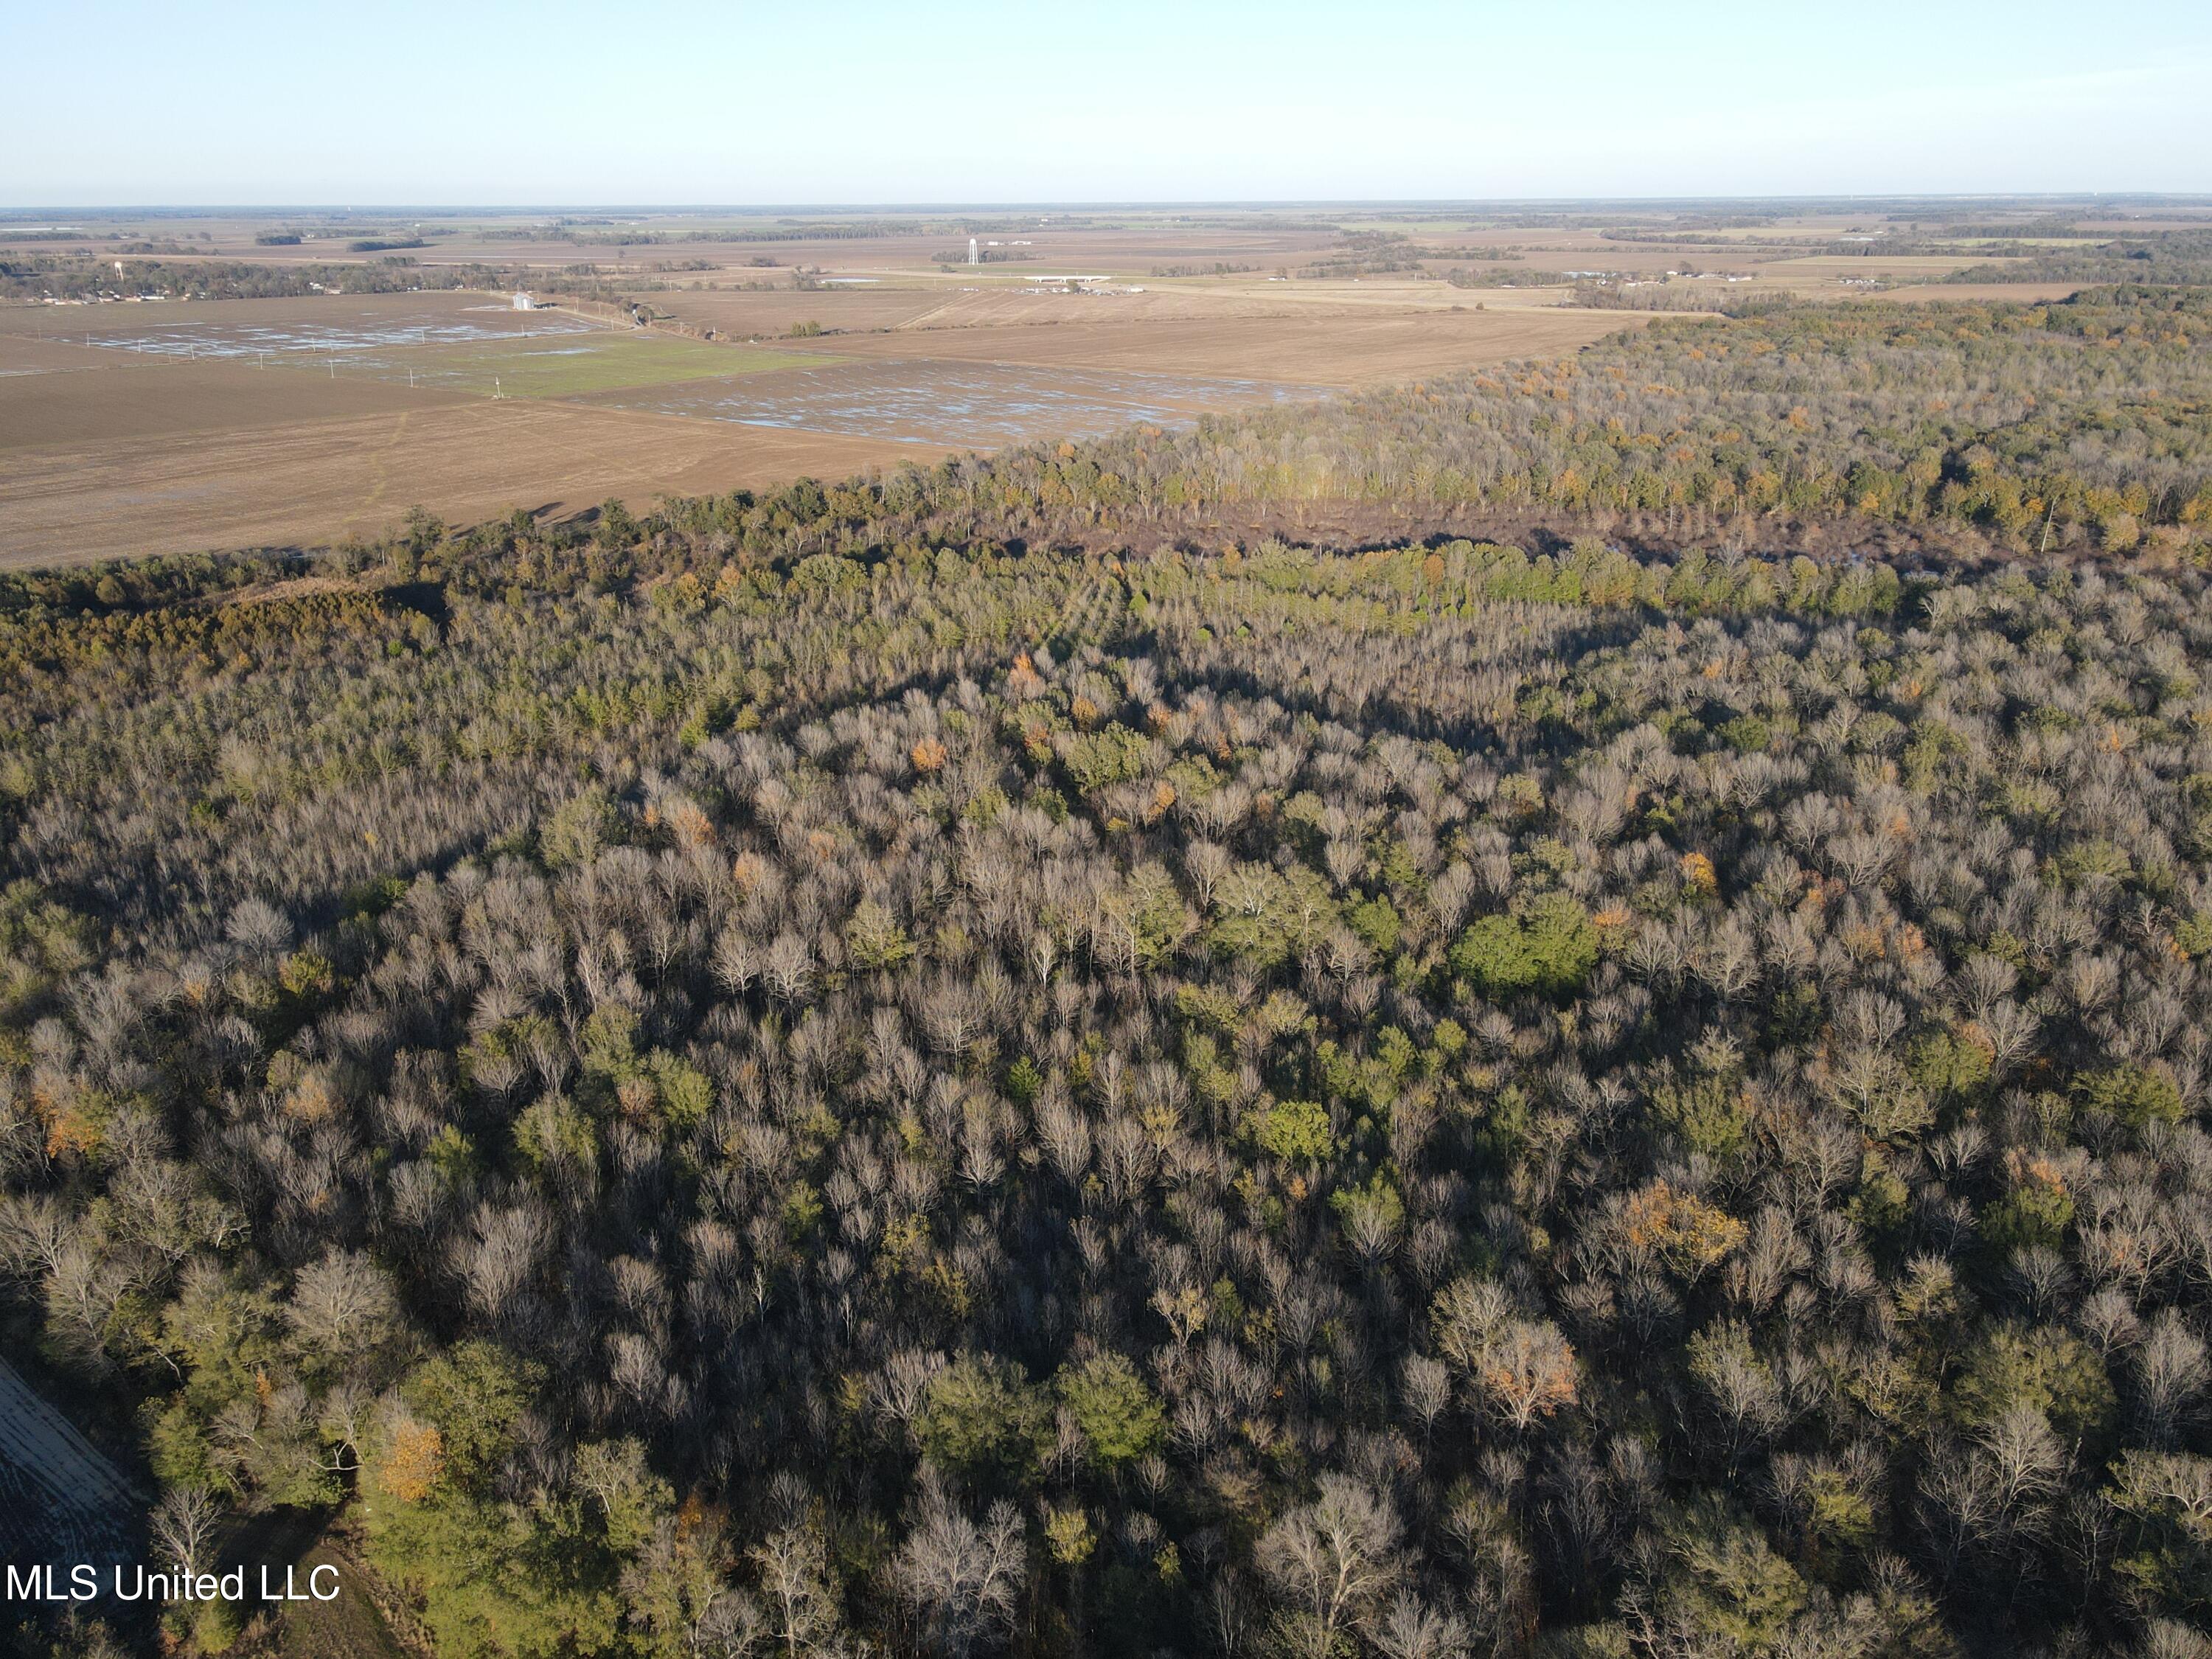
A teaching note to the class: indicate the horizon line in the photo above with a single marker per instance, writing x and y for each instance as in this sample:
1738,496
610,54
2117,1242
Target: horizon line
2189,198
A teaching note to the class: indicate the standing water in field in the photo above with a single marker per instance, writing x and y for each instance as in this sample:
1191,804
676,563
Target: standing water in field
980,404
358,336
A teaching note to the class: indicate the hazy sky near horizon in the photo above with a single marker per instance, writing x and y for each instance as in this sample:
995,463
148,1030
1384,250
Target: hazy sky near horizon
669,101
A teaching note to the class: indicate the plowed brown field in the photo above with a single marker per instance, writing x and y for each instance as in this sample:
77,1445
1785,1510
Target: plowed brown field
29,354
998,302
320,480
1343,349
138,399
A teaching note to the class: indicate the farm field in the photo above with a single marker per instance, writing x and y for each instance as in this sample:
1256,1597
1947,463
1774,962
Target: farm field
1350,348
133,400
313,418
967,404
930,305
49,1471
306,326
461,342
716,349
28,354
571,366
720,250
324,480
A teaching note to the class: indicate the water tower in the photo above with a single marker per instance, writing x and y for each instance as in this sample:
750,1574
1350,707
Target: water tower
975,253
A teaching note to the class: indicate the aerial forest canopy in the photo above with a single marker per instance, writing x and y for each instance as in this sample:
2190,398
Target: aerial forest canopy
977,1062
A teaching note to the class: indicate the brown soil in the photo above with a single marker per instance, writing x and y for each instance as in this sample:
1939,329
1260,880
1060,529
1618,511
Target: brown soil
1341,349
772,315
351,1626
361,1621
22,353
994,300
152,400
320,480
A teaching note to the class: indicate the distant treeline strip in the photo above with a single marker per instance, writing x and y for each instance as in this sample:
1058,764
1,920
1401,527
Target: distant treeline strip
43,276
2167,258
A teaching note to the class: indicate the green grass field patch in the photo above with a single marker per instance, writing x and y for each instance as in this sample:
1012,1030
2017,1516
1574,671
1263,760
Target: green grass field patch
567,365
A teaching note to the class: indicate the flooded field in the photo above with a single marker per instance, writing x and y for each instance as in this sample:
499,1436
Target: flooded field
976,405
346,333
488,349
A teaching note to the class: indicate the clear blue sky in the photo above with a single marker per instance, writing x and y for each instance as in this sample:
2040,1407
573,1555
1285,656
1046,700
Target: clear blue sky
152,101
